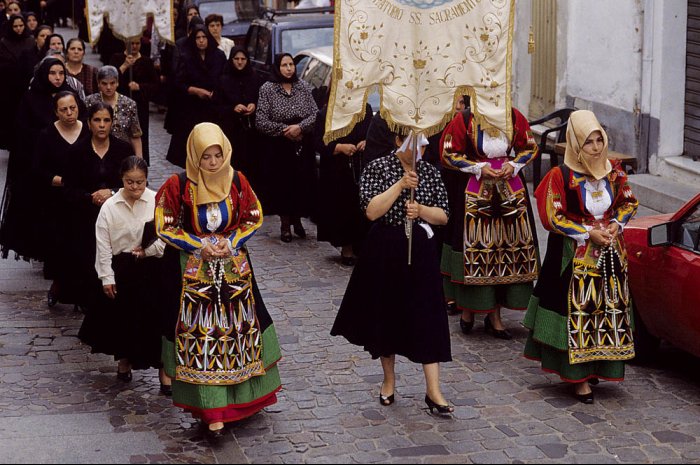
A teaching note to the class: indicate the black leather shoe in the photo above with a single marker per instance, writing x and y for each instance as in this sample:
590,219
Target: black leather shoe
166,390
466,326
215,435
51,299
451,308
497,333
299,230
585,398
125,376
286,236
593,381
386,400
347,261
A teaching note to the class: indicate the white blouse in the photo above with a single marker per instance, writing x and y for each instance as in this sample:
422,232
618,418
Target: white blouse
119,229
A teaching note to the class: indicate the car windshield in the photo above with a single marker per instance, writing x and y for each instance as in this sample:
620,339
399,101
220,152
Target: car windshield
227,9
295,40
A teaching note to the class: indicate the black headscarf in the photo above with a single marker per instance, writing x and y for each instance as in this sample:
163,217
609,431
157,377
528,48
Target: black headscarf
192,41
45,49
277,74
235,72
15,44
41,84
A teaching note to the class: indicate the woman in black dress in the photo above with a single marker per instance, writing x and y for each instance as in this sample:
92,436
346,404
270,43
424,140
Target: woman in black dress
287,115
238,100
51,160
197,80
91,178
340,219
13,46
391,308
139,81
36,112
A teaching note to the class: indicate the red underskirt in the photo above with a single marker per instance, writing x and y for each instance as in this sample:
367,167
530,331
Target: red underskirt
232,412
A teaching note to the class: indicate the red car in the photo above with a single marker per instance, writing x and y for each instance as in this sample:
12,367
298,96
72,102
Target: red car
664,279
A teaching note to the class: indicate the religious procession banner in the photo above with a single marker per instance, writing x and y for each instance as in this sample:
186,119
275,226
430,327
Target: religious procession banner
127,18
422,55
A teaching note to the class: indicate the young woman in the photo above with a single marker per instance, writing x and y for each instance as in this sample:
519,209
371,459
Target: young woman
580,314
208,215
391,308
128,269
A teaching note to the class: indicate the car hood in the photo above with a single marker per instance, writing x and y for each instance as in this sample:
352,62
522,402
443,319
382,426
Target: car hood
647,222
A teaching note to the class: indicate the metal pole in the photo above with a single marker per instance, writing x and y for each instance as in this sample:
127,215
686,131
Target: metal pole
409,223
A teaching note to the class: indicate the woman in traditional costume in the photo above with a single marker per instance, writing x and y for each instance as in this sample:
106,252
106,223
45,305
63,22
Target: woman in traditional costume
390,307
580,315
490,256
224,356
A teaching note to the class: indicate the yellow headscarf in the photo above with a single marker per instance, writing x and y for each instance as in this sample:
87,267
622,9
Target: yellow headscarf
582,124
212,187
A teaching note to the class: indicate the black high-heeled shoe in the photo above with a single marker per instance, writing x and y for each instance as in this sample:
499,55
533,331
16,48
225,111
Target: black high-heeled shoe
386,400
497,333
466,326
441,409
125,376
51,299
593,381
286,236
166,389
585,398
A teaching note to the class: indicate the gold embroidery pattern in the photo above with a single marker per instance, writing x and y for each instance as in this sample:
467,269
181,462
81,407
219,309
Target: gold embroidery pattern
499,246
599,315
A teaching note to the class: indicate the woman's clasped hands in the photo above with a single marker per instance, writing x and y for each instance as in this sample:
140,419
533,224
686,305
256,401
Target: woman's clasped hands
213,251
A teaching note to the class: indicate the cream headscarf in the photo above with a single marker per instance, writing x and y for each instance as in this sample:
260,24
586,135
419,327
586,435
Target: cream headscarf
583,123
212,187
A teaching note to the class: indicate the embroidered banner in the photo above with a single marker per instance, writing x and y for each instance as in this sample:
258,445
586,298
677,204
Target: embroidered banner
422,54
127,18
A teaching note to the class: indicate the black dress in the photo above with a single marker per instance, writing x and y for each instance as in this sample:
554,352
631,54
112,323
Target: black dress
288,165
241,87
340,219
144,73
36,112
86,174
52,159
391,307
193,71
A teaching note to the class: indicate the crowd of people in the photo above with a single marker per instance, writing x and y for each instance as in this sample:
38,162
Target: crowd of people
165,278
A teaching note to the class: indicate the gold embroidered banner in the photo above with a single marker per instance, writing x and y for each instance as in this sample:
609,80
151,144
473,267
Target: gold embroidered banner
422,54
127,18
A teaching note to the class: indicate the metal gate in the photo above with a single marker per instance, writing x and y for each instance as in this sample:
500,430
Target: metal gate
544,59
691,144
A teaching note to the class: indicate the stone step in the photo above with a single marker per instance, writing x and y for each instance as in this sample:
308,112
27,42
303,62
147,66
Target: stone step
661,194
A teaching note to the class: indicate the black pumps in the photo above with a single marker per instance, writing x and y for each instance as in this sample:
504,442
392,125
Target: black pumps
441,409
497,333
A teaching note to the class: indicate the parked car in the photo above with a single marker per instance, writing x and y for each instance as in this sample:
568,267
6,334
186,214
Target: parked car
237,14
314,66
287,31
664,279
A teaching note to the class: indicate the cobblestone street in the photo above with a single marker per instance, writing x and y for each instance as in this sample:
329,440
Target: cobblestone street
59,403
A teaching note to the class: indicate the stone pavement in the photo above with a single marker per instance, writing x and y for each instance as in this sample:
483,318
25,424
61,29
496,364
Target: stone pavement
61,404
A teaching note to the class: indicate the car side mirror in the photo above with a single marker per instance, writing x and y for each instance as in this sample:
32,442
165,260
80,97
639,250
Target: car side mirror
660,235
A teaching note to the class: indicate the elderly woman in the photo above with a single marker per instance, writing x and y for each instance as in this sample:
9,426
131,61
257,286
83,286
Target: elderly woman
128,268
139,80
126,125
208,213
52,157
580,314
86,74
287,115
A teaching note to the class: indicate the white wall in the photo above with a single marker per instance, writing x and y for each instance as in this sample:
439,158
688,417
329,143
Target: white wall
603,59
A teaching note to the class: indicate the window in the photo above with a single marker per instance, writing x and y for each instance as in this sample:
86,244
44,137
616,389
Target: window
687,233
227,9
262,47
296,40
